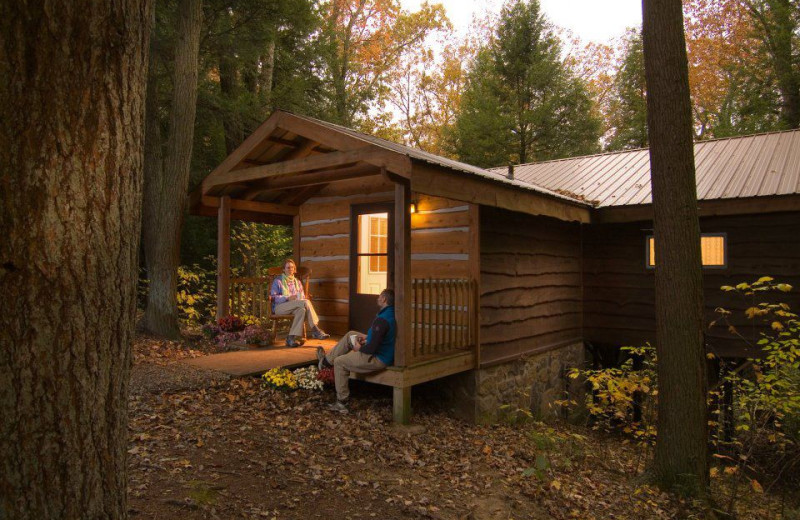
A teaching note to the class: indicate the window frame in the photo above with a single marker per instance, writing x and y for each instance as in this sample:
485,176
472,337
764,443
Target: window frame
723,235
378,256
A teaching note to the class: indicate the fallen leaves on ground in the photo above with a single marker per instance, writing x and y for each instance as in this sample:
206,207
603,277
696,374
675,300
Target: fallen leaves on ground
234,449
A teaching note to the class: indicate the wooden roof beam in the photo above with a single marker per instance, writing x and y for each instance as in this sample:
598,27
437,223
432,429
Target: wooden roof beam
305,164
296,198
311,179
441,182
252,206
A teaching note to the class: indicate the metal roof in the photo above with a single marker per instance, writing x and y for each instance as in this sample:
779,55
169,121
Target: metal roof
444,162
731,168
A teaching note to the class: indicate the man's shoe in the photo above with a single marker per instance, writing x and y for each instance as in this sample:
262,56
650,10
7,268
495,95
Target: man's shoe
322,361
318,333
291,342
339,406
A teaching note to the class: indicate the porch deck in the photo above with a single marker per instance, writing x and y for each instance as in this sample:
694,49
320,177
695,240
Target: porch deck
258,360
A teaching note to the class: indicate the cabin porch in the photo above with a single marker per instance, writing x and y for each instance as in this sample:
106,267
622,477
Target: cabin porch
441,340
324,183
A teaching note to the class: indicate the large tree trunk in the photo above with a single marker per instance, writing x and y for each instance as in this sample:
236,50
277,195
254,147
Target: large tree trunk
72,107
680,458
165,185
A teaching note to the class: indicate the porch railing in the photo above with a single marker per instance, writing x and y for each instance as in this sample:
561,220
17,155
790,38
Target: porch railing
250,297
444,316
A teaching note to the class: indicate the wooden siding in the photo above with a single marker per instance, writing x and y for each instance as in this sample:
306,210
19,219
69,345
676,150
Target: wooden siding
325,244
439,238
619,289
530,284
439,242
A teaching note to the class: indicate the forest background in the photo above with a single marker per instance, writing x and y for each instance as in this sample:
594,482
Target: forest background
515,89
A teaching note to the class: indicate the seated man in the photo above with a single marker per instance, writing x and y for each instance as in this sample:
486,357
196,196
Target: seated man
362,354
288,297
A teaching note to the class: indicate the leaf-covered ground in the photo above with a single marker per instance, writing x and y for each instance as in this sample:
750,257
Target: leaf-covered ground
227,448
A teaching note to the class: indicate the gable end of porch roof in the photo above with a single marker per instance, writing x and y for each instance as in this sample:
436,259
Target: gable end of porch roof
289,157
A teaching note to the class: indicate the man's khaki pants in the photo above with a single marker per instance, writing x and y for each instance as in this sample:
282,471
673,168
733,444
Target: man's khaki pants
303,310
346,360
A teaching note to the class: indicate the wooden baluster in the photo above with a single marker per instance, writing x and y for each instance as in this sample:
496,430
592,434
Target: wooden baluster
443,314
434,316
461,314
447,310
428,316
260,299
465,313
424,316
459,289
431,318
421,319
453,315
414,317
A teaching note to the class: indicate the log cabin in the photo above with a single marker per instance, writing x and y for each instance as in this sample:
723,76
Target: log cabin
502,276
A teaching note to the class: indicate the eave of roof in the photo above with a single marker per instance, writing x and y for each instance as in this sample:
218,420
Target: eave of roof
731,168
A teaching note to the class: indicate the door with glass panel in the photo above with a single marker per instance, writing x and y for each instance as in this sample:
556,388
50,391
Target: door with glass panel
371,260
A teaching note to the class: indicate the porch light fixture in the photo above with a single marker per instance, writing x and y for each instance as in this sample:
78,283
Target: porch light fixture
412,208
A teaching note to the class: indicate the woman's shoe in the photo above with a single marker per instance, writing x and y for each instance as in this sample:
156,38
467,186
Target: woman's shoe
318,333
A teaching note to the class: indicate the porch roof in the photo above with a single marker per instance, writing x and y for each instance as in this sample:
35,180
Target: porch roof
290,157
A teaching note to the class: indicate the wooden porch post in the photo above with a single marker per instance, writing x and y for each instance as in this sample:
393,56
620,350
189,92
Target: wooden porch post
402,295
475,276
223,257
402,272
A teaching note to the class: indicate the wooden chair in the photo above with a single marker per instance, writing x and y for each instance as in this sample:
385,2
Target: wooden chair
304,274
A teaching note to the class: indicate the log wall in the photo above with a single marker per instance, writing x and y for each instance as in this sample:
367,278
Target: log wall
439,242
531,296
619,289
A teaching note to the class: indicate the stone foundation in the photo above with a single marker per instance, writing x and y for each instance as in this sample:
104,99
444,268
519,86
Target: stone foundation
530,383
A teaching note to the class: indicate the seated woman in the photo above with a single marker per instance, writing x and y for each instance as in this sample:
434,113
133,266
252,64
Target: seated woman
288,297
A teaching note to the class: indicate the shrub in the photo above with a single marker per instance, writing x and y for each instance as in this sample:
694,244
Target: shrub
279,378
230,324
307,378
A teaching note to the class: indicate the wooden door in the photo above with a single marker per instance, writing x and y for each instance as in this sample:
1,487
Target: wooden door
371,265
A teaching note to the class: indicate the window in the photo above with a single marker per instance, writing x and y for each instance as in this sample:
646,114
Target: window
713,247
378,235
372,253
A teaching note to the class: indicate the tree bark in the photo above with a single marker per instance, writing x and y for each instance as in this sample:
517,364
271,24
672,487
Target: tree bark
228,84
681,451
267,72
166,184
72,106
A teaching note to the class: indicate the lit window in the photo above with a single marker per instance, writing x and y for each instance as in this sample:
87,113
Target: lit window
372,253
712,248
378,235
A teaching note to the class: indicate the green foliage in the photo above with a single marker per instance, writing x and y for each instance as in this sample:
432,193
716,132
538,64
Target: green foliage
521,102
256,247
623,398
764,394
768,401
628,103
197,297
